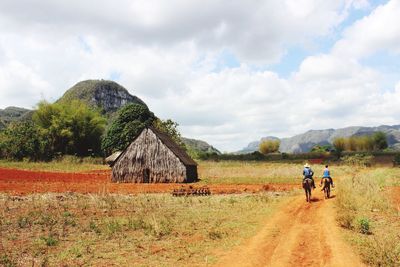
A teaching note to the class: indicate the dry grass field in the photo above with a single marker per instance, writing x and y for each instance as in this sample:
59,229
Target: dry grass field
116,230
108,229
369,211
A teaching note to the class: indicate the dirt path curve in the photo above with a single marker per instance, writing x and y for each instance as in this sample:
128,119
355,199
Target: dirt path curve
299,234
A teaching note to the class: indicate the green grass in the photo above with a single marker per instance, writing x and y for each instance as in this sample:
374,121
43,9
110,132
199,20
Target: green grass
145,230
365,210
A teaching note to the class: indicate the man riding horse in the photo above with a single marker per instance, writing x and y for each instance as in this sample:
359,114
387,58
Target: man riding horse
308,174
327,175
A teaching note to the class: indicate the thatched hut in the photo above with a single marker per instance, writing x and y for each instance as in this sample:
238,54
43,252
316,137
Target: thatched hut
153,157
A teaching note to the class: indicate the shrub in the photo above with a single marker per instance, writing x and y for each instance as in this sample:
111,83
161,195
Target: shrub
396,160
358,159
346,219
269,146
50,240
24,140
6,261
137,224
23,222
364,225
113,227
215,234
380,140
93,226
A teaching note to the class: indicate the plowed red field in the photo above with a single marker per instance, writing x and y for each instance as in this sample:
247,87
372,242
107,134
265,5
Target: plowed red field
21,182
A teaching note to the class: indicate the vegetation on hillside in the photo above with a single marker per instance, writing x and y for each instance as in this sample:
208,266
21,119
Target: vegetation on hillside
98,94
12,114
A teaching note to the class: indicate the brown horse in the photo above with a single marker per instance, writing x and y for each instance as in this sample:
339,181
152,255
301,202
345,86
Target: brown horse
326,183
307,185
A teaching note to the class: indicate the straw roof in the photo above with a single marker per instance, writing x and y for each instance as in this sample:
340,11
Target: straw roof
113,157
168,142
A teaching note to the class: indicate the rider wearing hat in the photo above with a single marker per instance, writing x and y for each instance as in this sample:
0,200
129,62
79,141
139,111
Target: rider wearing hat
308,173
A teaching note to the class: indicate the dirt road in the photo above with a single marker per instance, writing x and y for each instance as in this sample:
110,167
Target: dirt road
299,234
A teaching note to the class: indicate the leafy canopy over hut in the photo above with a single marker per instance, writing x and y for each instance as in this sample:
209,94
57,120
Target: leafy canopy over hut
153,157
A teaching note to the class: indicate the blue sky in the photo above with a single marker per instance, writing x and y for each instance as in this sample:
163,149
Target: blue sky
227,72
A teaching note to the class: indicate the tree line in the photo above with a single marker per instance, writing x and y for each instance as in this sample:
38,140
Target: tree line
74,128
363,143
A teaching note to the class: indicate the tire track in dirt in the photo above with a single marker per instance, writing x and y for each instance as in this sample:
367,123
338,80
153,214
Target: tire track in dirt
299,234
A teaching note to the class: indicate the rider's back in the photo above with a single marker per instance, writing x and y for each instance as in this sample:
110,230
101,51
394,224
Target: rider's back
307,172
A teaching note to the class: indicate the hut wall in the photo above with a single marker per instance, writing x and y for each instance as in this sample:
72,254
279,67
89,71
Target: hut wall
147,159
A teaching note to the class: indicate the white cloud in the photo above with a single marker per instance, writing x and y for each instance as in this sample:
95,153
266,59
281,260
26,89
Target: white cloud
380,31
166,52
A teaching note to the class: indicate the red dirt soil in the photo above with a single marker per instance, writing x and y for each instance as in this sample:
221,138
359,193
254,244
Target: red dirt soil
298,234
21,182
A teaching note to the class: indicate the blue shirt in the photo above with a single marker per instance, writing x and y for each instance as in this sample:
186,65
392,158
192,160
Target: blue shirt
326,173
307,172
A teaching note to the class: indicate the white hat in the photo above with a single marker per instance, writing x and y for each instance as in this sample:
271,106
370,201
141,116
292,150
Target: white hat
306,165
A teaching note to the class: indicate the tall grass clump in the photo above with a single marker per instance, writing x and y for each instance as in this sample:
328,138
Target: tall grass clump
364,209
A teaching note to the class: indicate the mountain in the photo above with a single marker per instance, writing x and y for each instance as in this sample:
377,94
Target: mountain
11,114
198,145
305,142
109,96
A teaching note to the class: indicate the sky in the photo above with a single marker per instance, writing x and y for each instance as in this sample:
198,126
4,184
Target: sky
229,72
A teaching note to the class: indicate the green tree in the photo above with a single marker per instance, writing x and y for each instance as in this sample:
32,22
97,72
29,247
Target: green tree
23,140
130,120
171,128
380,140
321,148
365,143
71,128
339,144
269,146
351,143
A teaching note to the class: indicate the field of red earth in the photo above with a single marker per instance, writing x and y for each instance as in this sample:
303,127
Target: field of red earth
22,182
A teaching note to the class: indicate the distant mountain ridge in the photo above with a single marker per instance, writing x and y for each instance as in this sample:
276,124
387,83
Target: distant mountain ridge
305,142
11,114
199,145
